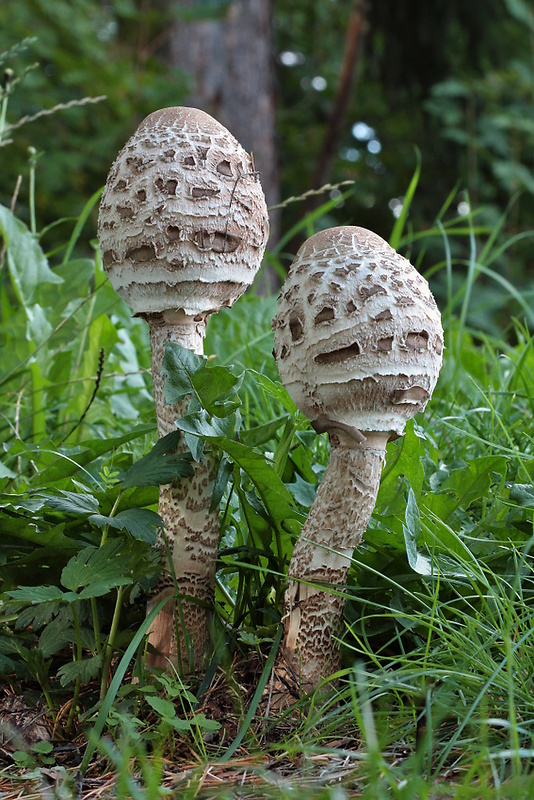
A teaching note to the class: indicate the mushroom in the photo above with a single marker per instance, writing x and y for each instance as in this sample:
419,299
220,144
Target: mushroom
182,227
358,344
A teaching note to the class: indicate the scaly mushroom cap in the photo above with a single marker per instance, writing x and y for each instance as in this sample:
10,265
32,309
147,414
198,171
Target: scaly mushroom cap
183,222
358,335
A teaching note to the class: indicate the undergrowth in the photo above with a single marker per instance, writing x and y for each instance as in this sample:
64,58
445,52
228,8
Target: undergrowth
435,693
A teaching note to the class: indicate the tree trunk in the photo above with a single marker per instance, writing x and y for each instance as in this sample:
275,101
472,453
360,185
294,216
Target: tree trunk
231,66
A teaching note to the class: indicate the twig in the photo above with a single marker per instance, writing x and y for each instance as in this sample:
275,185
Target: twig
46,112
98,378
328,187
353,40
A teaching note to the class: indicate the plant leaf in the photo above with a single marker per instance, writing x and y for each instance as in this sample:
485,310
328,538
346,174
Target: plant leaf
160,465
141,523
27,263
86,670
104,564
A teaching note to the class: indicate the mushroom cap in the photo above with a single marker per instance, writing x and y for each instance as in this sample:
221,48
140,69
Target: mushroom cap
358,336
183,221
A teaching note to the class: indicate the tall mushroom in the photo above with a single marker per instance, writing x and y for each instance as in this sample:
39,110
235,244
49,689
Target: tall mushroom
182,226
358,344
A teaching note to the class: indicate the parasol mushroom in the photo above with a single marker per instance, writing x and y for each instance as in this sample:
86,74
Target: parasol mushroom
358,344
182,227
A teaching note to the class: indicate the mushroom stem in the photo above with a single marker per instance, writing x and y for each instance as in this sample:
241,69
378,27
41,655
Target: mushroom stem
334,527
181,633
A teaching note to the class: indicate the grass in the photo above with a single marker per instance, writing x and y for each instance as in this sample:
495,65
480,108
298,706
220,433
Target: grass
435,695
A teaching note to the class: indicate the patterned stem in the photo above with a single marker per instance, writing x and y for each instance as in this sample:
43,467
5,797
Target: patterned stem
335,526
181,631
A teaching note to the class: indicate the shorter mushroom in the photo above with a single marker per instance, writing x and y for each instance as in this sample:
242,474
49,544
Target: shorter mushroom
358,344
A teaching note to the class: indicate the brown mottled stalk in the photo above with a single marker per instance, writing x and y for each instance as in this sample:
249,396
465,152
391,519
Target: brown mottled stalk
358,342
182,226
334,527
181,631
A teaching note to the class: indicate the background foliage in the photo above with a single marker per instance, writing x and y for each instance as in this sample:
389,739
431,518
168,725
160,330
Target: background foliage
438,653
452,81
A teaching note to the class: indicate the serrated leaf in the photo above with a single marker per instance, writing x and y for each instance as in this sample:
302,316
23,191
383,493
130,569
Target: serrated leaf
86,670
37,615
160,465
103,587
70,502
36,594
179,365
58,633
141,523
216,388
205,724
102,564
162,707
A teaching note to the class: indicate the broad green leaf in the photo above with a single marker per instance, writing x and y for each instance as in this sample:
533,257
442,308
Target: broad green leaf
205,724
86,670
102,564
260,434
160,465
162,707
25,528
221,482
274,390
5,472
57,634
99,588
204,426
443,539
403,461
522,494
216,388
141,523
27,263
179,365
270,487
466,485
70,502
303,491
37,594
70,460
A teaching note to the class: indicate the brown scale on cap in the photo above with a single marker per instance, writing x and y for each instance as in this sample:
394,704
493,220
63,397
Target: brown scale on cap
183,222
358,344
182,226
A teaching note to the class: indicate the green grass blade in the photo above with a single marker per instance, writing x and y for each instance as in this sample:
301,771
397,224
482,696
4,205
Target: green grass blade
82,219
116,682
398,228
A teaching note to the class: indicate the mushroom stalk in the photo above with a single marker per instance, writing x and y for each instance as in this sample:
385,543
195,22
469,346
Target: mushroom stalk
358,342
180,633
334,527
182,226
